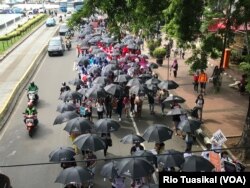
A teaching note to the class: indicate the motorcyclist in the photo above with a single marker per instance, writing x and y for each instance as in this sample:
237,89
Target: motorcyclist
31,110
68,42
33,88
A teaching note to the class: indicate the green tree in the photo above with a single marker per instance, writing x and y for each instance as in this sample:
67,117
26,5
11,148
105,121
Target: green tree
183,19
245,138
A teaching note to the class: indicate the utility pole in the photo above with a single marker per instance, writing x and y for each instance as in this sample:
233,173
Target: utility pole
168,48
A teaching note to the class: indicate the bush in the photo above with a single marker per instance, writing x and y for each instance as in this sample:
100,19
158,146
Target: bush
159,52
152,44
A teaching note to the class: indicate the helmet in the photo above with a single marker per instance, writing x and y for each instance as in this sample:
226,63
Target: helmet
32,83
64,83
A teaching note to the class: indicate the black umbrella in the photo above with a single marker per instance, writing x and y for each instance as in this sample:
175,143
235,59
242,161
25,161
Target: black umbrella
76,81
138,90
62,154
122,78
153,81
168,84
171,158
90,142
65,116
109,170
70,95
152,87
132,139
108,68
114,89
132,46
95,92
78,124
134,168
176,111
157,133
106,125
94,70
65,107
82,91
75,174
133,82
145,76
100,80
83,61
189,125
118,72
174,98
196,163
153,66
148,155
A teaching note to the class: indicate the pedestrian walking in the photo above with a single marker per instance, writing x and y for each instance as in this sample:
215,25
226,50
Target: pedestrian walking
189,141
108,106
151,102
203,81
196,83
199,103
163,94
100,108
174,67
132,104
126,105
119,108
106,137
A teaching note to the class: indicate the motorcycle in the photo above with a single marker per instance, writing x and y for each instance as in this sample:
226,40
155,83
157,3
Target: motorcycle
31,122
33,97
68,44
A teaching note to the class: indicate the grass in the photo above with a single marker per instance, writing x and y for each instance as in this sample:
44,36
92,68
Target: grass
6,45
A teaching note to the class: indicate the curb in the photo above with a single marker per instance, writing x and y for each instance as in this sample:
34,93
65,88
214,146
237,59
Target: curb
16,93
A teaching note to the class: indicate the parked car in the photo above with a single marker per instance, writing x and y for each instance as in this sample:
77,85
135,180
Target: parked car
50,22
56,46
63,29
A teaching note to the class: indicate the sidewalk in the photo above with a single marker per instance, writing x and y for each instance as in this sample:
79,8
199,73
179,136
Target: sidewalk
225,110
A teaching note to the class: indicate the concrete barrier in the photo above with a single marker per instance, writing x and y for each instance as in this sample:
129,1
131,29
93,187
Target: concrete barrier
20,86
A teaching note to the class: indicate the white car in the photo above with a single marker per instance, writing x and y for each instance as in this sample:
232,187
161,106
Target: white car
41,10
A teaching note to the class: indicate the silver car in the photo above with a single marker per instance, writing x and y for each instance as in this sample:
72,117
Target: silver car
56,46
63,29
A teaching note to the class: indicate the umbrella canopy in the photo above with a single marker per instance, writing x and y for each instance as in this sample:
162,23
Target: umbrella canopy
100,80
118,72
148,155
76,81
108,68
114,89
153,81
196,163
157,133
189,125
152,87
65,116
134,168
171,158
145,76
168,84
109,170
70,95
174,98
134,82
83,61
94,70
75,174
122,78
65,107
62,154
132,139
138,89
176,111
132,46
106,125
78,124
95,92
89,142
153,66
82,90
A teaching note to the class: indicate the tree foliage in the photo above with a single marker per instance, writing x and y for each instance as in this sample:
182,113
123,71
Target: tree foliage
183,19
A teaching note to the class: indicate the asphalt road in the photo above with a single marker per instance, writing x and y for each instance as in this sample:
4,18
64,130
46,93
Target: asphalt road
17,148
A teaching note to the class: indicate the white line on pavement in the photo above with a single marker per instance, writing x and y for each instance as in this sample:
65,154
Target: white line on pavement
138,133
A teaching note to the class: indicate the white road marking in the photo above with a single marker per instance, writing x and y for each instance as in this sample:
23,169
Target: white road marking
138,133
12,153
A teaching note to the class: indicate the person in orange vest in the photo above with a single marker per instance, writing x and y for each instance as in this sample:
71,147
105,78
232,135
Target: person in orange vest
203,81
